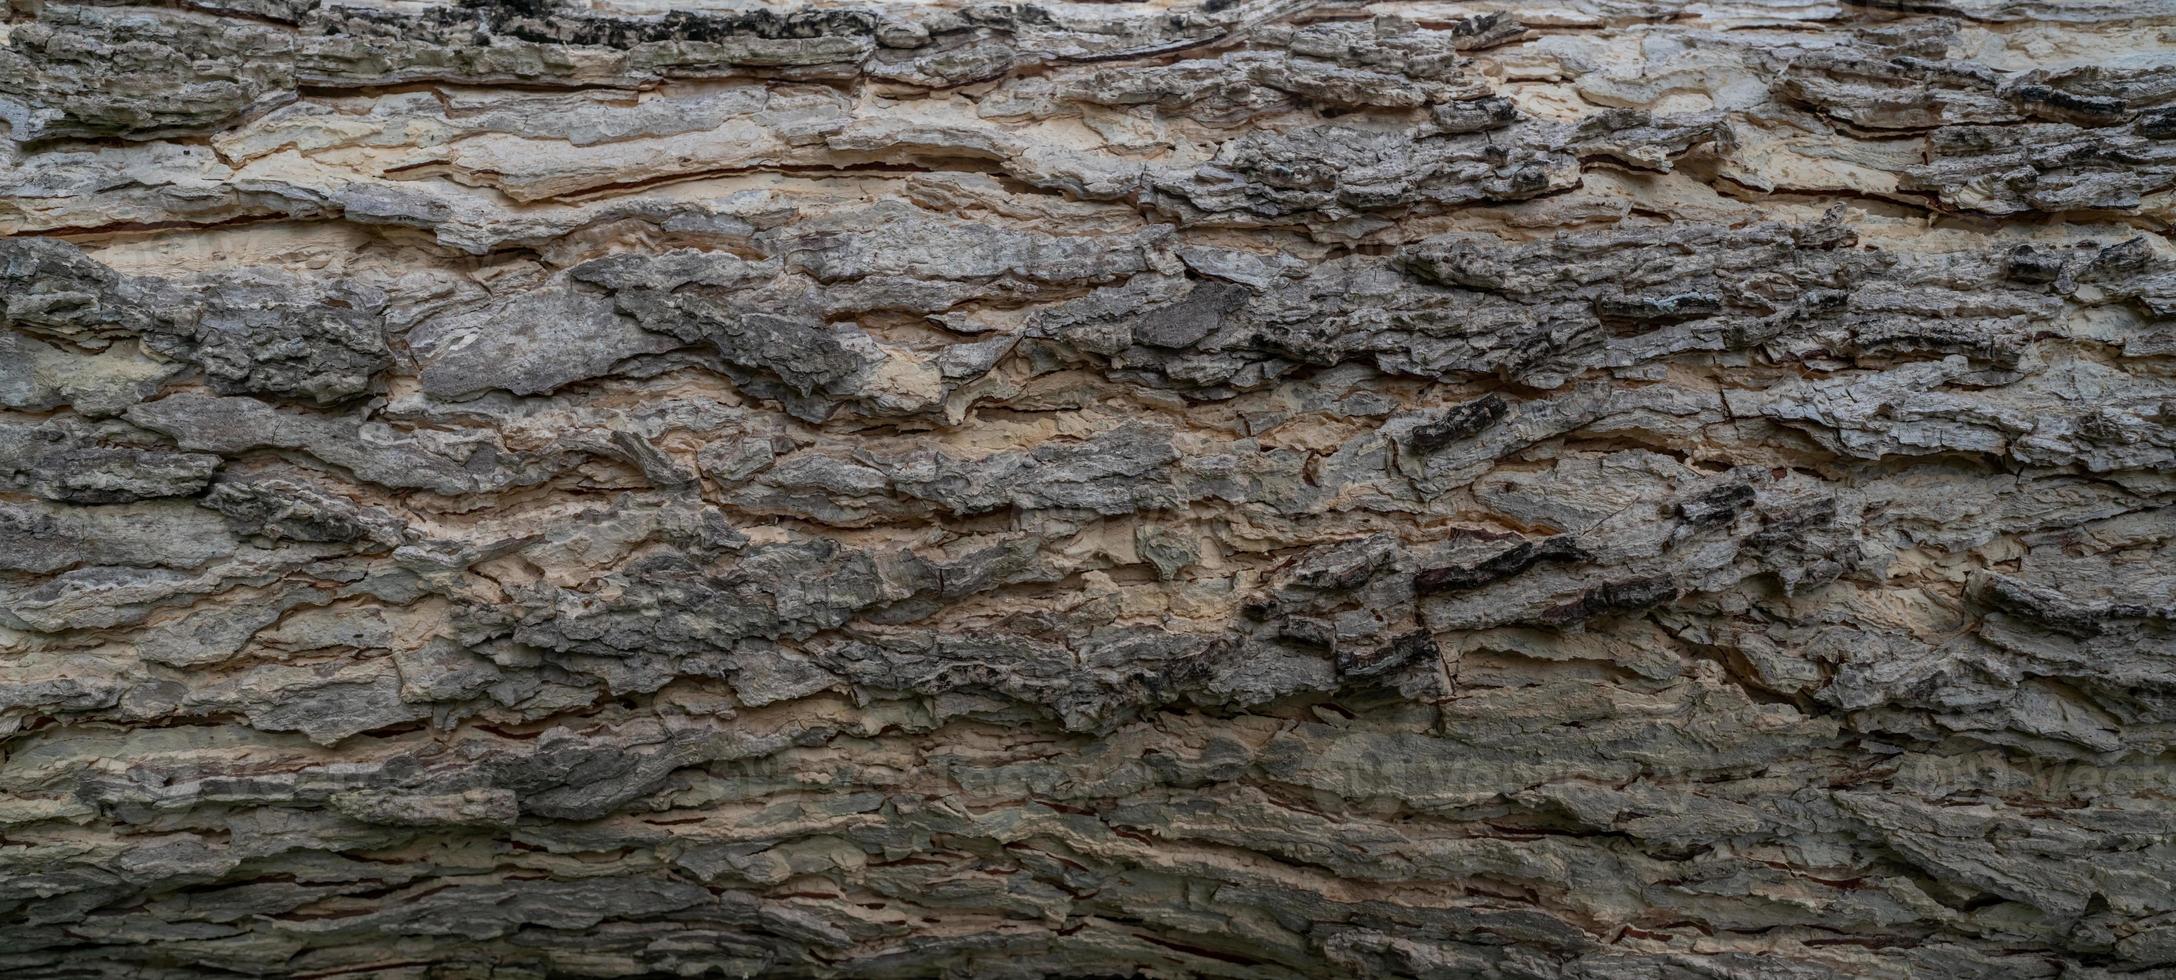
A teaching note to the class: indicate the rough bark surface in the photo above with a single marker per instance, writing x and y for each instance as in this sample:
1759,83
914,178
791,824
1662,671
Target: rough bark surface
1601,488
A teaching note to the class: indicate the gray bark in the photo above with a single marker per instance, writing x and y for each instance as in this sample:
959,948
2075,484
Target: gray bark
1622,488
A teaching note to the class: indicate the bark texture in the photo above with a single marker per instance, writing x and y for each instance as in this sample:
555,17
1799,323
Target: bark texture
1265,488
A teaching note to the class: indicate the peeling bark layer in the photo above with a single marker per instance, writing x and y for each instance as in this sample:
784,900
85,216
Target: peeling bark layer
1260,489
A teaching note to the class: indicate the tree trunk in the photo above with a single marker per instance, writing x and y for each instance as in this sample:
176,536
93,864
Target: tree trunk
1264,489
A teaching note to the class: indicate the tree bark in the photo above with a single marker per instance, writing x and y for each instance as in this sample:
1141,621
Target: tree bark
1265,488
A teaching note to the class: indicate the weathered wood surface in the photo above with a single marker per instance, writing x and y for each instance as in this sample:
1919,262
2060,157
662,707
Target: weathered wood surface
1607,488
